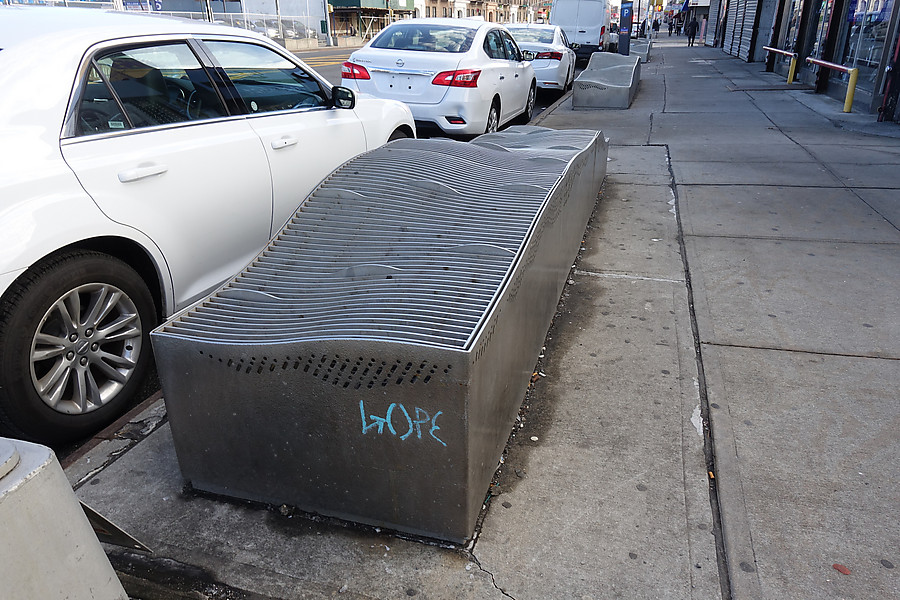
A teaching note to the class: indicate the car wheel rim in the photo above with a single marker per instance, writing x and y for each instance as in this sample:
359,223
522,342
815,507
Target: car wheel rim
530,103
493,121
85,348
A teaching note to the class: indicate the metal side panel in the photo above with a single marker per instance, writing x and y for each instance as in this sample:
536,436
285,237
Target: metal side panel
370,362
369,432
508,348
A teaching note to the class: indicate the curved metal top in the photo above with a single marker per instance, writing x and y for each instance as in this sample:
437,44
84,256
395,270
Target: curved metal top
411,243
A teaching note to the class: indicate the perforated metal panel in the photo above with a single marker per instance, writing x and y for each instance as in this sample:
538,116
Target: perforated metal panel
369,363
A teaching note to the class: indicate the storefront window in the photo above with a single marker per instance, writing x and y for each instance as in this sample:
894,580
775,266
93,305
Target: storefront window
868,22
821,16
790,39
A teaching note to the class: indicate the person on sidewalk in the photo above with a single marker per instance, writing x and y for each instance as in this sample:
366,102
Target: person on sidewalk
671,27
655,28
691,30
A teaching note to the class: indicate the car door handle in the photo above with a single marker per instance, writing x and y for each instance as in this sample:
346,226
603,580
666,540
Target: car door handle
502,77
517,75
284,143
142,172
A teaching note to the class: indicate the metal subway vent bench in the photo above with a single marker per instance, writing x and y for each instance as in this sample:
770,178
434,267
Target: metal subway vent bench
369,364
641,49
609,81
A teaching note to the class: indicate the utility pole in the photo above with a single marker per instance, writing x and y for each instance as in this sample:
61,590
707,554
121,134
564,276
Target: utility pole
329,40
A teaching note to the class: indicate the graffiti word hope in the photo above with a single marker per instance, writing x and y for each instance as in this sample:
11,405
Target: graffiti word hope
397,412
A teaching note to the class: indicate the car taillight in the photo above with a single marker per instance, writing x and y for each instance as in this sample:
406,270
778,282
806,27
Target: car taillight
467,78
350,70
602,31
550,55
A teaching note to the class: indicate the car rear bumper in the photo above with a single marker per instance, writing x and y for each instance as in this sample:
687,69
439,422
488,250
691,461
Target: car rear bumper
551,77
471,110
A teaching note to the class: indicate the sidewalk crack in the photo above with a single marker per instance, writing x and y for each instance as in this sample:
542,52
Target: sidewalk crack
708,433
493,580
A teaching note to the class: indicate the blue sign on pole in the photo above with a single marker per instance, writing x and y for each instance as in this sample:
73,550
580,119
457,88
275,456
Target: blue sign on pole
626,17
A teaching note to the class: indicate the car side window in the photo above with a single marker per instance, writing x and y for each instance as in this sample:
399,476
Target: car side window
493,45
512,49
265,80
98,111
565,40
152,85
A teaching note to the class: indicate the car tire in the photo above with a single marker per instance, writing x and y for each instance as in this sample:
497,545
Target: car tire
493,118
570,79
74,346
528,113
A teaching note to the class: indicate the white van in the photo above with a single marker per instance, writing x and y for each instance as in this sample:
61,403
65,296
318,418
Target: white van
586,23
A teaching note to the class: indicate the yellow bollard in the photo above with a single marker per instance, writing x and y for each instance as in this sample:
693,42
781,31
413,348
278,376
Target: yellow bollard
792,69
851,90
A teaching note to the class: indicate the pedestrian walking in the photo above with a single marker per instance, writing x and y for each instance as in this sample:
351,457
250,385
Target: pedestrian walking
671,27
691,30
655,27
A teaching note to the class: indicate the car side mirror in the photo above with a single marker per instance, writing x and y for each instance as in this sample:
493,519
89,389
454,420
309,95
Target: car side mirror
343,97
528,54
575,46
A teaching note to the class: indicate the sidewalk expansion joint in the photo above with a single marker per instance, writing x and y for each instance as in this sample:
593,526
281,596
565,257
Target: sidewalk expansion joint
801,351
725,236
703,391
493,581
737,184
626,276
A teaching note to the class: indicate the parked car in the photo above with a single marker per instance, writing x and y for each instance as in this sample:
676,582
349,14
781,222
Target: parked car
586,23
143,161
554,61
295,29
267,27
464,76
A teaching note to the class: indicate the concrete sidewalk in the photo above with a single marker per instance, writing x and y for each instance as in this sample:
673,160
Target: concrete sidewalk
718,414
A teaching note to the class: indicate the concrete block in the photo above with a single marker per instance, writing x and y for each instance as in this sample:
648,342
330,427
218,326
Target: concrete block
301,44
348,41
49,549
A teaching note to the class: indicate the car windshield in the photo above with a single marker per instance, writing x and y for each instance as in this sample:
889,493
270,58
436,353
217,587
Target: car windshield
425,37
524,34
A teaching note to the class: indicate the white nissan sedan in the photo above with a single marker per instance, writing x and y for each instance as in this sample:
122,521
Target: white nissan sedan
554,61
143,161
463,76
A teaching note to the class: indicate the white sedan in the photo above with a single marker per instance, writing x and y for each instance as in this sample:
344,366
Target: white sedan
554,60
143,161
463,76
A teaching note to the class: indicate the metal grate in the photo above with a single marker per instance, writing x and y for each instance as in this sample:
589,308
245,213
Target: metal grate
367,258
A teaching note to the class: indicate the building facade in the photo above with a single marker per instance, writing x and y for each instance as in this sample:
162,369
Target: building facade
860,34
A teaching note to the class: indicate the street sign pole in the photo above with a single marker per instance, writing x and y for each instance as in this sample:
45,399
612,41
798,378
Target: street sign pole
626,17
